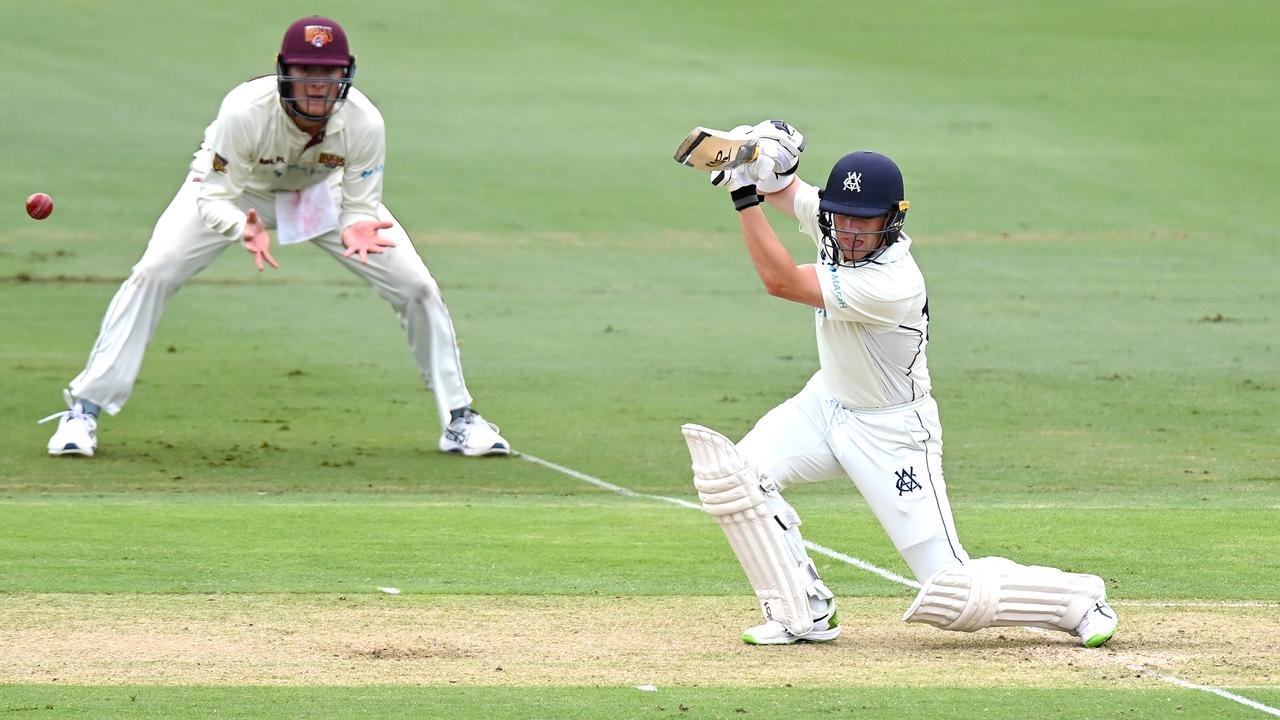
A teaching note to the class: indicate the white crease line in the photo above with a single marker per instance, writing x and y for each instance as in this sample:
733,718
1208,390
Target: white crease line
1216,691
820,549
902,580
606,485
836,554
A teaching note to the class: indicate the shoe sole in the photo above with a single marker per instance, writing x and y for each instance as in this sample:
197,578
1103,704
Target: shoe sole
1098,640
71,449
822,636
478,453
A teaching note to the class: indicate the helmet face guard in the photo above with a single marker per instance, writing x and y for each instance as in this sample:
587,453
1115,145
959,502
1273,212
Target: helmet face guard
861,185
314,41
293,90
835,253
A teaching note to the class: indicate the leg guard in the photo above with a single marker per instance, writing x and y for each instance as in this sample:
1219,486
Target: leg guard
993,591
761,528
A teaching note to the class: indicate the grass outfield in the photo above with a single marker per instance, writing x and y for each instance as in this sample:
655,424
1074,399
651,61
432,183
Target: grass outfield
1092,205
521,703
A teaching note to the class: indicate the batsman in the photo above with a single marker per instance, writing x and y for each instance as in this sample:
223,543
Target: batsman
867,413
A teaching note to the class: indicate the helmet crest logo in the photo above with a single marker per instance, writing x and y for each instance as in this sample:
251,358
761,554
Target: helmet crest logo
853,182
318,35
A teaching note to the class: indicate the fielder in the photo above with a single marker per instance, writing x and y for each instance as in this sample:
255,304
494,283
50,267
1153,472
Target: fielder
300,152
866,414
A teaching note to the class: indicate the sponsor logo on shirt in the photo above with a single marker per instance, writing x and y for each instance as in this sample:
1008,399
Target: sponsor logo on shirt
836,290
331,161
308,169
219,164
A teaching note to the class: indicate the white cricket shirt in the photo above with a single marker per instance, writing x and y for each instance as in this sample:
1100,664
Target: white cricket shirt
254,148
874,328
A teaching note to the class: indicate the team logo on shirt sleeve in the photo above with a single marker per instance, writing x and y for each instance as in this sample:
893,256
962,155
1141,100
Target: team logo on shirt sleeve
219,164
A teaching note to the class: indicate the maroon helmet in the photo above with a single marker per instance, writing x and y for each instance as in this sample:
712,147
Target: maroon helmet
314,41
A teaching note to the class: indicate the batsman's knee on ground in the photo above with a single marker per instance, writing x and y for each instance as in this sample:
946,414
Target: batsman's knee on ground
997,592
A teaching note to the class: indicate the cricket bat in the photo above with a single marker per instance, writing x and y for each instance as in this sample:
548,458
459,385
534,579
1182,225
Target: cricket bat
707,149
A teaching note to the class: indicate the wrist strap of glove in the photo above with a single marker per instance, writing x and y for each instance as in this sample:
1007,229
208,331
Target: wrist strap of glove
745,197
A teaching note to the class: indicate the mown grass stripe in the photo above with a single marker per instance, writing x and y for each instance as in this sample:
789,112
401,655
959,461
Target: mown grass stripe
820,549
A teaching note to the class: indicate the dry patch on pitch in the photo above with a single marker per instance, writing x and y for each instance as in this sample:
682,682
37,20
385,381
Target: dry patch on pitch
505,640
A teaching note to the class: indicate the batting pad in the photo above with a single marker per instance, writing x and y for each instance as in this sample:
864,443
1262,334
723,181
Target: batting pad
994,591
760,526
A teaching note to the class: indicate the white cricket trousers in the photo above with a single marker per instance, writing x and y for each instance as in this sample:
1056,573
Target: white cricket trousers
893,457
182,245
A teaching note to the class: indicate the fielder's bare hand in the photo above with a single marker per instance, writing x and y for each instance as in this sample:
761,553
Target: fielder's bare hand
258,241
362,237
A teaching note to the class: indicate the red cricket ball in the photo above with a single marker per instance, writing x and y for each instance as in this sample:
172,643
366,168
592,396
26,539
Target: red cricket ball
39,206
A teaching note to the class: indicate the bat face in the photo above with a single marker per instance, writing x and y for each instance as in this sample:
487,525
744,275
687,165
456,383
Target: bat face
707,149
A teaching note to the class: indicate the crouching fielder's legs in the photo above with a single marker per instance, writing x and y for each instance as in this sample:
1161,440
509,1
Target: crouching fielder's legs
763,530
994,592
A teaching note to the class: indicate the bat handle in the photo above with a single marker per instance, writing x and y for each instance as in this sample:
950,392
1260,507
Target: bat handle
747,153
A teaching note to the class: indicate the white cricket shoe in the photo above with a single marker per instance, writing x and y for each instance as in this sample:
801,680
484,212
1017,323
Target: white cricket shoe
471,435
1098,625
825,629
77,432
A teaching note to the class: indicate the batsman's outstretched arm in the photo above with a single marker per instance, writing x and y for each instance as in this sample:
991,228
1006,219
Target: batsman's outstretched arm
779,273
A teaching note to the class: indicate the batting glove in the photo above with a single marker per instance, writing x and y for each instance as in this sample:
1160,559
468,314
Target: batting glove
786,135
734,178
770,172
780,148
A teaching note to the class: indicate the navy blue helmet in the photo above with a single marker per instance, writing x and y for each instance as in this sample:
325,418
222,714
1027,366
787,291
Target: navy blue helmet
863,185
